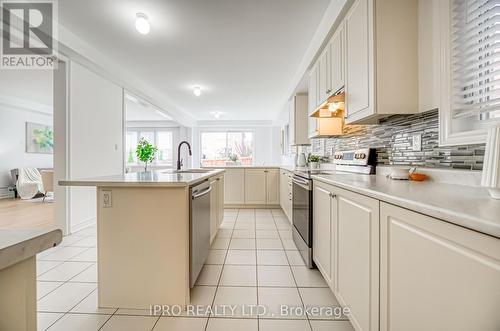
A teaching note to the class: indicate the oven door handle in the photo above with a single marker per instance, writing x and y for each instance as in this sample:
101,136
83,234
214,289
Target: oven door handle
301,183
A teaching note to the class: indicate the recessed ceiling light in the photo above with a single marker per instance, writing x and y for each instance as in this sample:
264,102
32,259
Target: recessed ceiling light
142,24
197,91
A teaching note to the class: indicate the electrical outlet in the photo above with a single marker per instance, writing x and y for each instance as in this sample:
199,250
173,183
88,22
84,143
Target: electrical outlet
417,142
106,198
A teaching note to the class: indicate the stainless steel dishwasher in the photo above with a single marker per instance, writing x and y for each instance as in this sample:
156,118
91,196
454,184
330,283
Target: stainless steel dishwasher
199,228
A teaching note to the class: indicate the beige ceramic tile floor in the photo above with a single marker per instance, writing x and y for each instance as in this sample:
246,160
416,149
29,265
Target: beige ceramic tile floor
253,261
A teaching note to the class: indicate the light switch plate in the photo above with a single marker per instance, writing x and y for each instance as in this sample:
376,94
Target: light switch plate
107,199
417,142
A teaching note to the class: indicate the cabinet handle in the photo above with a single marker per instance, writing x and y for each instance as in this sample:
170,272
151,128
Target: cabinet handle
328,91
333,196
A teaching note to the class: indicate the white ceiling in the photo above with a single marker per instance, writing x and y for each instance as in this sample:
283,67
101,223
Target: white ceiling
243,53
139,111
34,86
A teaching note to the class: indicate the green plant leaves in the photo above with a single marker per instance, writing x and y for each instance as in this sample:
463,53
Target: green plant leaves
145,151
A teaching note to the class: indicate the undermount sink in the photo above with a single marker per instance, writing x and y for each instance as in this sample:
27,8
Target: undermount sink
193,171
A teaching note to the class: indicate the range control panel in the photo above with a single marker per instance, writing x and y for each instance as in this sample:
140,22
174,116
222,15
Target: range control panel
360,157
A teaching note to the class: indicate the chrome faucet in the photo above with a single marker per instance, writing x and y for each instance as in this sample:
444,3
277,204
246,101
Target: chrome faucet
179,160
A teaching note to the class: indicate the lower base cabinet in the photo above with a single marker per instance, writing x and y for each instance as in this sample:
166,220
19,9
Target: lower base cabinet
435,275
346,250
258,187
399,270
286,193
216,205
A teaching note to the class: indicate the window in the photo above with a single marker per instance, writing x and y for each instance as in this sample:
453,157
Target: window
225,148
160,138
475,52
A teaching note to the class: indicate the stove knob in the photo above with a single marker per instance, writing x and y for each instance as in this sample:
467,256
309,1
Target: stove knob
356,156
362,156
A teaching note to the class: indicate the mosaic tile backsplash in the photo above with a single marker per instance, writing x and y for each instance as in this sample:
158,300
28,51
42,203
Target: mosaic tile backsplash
393,140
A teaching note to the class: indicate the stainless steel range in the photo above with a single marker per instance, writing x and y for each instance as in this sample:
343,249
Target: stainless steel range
360,161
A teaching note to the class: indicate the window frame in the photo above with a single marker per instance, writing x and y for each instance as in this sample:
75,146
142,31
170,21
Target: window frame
447,136
226,131
155,131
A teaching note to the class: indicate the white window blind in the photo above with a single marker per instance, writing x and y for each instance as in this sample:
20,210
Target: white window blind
475,51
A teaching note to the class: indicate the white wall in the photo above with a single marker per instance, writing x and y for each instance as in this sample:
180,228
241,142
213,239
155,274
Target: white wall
95,137
13,143
25,96
266,143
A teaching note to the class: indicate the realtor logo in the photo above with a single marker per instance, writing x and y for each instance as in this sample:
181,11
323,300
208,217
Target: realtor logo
28,32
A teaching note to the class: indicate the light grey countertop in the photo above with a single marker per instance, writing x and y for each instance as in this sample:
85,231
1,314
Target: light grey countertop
155,178
467,206
17,245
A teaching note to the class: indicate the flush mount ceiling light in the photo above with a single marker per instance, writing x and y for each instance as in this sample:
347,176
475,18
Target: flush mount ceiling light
216,114
197,91
142,24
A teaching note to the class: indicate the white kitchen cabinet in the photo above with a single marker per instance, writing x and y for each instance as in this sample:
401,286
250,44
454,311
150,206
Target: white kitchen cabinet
214,208
216,205
324,79
286,193
431,268
272,186
220,200
346,250
323,230
298,123
337,61
312,90
381,71
234,187
255,186
356,281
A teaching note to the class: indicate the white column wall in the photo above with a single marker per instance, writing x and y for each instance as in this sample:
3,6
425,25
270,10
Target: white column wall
95,143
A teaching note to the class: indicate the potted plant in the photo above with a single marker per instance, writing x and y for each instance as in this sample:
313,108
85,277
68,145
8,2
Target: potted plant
146,152
313,161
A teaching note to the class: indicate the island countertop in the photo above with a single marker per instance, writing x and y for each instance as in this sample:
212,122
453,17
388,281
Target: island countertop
155,178
18,244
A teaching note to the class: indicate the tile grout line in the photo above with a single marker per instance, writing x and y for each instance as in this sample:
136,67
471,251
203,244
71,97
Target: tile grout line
295,281
222,270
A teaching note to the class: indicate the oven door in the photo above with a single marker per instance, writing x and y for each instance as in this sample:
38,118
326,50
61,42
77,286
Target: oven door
302,208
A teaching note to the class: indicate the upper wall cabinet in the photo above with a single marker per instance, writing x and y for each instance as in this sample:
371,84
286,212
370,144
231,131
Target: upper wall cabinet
381,55
327,75
298,121
469,69
373,55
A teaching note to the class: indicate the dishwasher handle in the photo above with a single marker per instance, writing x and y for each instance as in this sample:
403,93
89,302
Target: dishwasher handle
198,195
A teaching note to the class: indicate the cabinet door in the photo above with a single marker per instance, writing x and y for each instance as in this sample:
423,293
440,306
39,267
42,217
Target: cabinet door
312,93
272,184
283,189
255,186
313,127
220,200
290,196
337,59
356,282
234,186
431,268
214,209
322,229
291,121
324,82
358,73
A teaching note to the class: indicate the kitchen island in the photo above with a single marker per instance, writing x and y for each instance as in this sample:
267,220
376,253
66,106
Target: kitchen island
18,249
143,236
